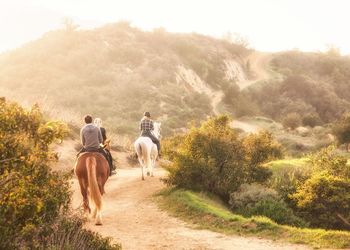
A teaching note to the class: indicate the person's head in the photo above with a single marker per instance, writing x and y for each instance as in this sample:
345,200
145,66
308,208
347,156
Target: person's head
88,119
147,114
98,122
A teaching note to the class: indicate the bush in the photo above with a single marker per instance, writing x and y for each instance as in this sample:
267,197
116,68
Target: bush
312,120
255,199
341,129
292,121
249,194
68,233
285,180
261,148
32,197
213,158
324,200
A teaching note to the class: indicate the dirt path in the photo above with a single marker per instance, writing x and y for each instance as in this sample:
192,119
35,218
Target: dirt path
246,127
216,98
259,62
131,217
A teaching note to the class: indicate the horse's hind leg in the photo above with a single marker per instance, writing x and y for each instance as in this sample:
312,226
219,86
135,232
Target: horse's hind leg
98,221
152,166
141,165
83,189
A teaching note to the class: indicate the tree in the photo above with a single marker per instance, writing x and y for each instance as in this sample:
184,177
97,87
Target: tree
31,196
34,201
213,158
292,121
341,129
323,199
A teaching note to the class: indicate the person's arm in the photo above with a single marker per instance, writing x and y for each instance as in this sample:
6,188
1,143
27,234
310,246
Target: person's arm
82,139
140,125
104,135
100,139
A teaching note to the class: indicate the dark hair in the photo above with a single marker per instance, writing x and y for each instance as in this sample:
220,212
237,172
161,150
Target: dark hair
147,114
88,119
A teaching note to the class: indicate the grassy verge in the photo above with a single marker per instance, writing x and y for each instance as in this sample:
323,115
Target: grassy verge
287,163
207,213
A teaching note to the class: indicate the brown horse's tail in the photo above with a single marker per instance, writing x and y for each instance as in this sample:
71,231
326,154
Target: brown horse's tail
92,180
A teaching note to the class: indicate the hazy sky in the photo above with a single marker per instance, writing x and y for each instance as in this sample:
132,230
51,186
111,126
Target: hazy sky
269,25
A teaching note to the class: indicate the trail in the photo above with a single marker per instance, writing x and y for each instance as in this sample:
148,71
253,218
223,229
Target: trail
132,218
246,127
259,64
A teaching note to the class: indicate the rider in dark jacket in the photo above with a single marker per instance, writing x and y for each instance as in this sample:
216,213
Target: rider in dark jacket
98,124
146,127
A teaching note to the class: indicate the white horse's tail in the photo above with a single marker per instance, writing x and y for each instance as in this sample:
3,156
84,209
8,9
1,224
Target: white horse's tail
143,147
146,154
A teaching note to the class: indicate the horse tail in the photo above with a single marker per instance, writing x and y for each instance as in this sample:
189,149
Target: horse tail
146,154
92,180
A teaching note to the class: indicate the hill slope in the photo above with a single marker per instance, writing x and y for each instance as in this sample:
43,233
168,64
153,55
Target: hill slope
117,72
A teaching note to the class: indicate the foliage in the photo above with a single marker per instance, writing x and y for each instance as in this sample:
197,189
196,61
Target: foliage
311,83
68,233
276,210
99,71
323,199
255,199
193,207
292,121
32,197
249,194
341,129
170,146
213,158
287,174
260,148
311,120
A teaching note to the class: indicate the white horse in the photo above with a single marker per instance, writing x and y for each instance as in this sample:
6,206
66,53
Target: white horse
147,151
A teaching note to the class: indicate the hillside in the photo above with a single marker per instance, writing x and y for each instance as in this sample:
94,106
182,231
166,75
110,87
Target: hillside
117,72
313,85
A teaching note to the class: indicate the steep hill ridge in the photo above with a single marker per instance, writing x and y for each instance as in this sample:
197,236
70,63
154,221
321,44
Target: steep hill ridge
117,72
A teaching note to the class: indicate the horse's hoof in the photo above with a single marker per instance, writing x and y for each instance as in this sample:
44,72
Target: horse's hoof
98,224
147,173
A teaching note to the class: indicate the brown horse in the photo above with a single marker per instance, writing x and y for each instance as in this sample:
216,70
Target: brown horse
92,171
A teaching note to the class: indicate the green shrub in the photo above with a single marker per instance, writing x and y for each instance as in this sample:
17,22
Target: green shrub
68,233
256,199
213,158
287,176
250,194
292,121
327,159
341,129
324,200
260,148
277,210
32,197
311,120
